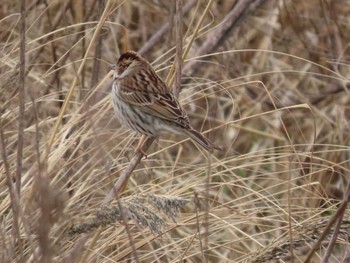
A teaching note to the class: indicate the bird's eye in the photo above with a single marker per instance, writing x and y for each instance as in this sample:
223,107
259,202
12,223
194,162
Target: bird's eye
122,68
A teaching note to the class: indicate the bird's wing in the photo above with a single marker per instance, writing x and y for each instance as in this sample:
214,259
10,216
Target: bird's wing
153,98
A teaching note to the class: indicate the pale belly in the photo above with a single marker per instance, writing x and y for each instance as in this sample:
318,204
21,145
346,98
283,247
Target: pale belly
133,117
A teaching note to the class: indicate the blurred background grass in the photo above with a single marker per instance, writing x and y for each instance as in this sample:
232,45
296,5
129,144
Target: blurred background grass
273,92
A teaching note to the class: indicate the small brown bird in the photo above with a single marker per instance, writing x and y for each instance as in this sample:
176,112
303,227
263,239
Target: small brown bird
143,102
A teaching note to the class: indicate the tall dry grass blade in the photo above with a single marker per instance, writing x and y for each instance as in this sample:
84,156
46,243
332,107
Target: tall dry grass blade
21,96
170,77
178,63
71,89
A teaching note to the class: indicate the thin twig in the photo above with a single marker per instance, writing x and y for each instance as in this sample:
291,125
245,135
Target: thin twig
128,170
98,51
334,239
339,213
178,29
198,226
56,78
170,77
207,205
22,64
336,229
125,221
80,16
290,227
13,200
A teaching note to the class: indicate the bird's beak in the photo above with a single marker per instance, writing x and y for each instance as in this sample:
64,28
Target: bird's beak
112,67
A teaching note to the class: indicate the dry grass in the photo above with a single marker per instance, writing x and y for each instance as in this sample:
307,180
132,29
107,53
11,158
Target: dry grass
273,92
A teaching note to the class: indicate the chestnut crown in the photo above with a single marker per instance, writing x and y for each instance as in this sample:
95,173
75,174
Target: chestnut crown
127,59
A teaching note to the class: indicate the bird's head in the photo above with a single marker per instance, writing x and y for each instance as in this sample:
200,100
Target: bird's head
127,63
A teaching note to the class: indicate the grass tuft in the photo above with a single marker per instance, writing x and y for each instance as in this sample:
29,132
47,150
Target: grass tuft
267,81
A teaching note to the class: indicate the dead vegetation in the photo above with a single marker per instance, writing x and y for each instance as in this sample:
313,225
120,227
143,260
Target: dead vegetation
265,80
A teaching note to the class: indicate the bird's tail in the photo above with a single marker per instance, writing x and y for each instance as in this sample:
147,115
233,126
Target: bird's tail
201,140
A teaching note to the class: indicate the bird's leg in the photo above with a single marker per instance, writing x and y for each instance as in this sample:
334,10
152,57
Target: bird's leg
139,146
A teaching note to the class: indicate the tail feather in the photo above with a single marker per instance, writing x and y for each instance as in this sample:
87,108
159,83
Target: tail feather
201,140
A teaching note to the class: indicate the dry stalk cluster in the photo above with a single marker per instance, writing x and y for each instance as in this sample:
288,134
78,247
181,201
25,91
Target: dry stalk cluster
144,210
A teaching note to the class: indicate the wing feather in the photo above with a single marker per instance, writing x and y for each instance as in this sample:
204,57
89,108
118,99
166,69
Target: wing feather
155,100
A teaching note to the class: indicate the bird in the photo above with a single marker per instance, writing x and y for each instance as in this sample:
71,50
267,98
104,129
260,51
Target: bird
143,102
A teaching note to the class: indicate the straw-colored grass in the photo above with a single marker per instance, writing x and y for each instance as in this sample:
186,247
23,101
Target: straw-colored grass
273,92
